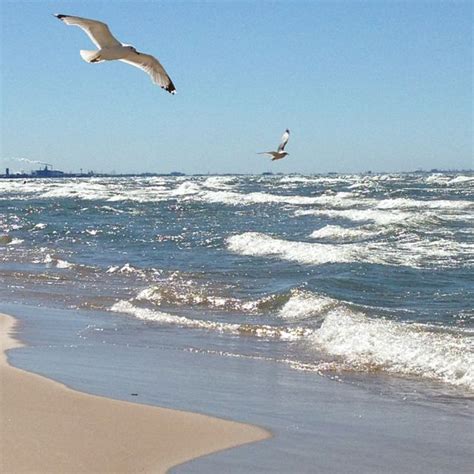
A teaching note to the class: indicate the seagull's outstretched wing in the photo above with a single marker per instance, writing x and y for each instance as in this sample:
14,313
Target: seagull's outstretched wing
284,140
270,153
153,68
97,31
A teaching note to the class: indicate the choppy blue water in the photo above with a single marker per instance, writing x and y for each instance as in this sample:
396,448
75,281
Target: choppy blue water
344,276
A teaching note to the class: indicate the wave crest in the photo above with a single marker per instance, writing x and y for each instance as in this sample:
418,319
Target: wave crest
409,349
354,341
410,250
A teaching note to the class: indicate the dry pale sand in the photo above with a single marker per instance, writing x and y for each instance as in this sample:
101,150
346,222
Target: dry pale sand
47,427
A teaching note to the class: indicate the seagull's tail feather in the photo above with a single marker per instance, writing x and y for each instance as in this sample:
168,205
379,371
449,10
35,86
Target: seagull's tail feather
90,56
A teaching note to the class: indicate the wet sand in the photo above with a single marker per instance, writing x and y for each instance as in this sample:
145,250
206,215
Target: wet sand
48,427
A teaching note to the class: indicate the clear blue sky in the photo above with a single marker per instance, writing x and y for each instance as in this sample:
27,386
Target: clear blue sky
377,85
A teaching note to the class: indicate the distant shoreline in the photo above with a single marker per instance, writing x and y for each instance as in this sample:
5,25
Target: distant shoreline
34,175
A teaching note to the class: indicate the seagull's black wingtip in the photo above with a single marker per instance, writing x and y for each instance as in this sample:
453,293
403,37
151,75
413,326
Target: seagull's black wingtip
59,16
170,88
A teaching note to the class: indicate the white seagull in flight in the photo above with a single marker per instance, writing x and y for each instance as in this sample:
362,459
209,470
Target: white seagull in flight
280,153
110,49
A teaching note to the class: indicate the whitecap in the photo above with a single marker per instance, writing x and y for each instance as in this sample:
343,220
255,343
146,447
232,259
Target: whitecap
359,343
304,305
263,331
401,348
53,261
406,203
112,209
63,264
379,217
338,233
411,251
461,180
126,269
187,188
176,291
15,241
338,200
219,182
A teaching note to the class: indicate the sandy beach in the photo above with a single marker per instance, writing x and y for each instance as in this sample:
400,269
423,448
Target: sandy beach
47,427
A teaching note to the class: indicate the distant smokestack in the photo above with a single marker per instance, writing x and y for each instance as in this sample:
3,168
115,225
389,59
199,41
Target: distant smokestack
7,172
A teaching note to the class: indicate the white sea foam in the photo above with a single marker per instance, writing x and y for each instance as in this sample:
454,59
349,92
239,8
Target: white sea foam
219,182
304,305
15,241
257,244
187,188
40,226
167,318
380,217
53,261
125,269
447,180
63,264
337,200
298,180
112,209
359,343
86,190
264,331
101,189
180,291
461,180
405,203
409,349
437,178
338,233
413,251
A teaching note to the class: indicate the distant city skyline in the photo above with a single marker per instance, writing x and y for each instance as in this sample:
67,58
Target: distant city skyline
380,86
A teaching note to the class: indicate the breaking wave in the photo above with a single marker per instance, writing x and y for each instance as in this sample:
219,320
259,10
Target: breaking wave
54,261
186,292
379,216
126,269
356,342
412,251
447,180
343,234
177,291
405,203
408,349
266,331
303,305
337,200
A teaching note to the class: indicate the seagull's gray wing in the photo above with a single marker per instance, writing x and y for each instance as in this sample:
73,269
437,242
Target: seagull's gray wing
97,31
152,67
284,140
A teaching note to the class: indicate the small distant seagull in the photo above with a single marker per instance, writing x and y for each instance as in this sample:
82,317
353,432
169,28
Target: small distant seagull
280,153
110,49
